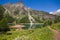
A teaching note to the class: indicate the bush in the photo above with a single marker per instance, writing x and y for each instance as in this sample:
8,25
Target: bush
3,25
24,20
1,12
9,18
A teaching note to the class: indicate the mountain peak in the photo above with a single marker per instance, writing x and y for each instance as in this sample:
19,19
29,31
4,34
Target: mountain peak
57,12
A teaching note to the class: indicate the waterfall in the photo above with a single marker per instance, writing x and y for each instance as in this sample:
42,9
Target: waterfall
31,19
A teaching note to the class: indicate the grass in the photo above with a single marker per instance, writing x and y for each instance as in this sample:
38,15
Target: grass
41,34
35,34
56,26
13,35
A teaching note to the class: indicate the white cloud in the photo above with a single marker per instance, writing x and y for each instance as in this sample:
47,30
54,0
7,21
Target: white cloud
51,12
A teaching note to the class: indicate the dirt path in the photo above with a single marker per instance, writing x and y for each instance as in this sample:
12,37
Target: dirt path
56,34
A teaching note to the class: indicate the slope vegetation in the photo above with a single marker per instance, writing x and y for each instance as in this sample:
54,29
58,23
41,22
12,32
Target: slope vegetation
35,34
56,26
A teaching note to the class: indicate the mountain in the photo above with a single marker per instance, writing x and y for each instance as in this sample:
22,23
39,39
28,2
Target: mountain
24,14
57,12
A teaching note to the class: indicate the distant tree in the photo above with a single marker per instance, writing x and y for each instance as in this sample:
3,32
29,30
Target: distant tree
24,20
1,12
3,21
3,25
9,18
57,19
49,22
16,12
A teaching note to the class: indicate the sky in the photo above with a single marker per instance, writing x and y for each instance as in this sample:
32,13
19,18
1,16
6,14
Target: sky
41,5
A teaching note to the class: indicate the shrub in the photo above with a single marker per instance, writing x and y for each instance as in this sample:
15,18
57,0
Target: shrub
3,25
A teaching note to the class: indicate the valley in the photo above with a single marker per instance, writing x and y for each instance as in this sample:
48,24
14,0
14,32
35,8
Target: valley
18,22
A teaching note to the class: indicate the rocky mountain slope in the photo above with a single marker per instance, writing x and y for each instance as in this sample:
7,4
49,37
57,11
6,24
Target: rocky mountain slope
19,11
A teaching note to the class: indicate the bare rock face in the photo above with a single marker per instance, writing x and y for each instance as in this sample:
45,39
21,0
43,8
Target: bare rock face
17,26
14,8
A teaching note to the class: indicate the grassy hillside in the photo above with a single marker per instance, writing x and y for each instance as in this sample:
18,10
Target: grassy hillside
35,34
56,26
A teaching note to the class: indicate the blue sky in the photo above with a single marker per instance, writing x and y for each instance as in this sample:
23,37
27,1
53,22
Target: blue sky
44,5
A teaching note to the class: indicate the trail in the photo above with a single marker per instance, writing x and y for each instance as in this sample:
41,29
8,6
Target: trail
56,34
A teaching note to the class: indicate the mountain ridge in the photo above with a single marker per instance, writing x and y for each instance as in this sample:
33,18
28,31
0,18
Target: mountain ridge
57,12
19,11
